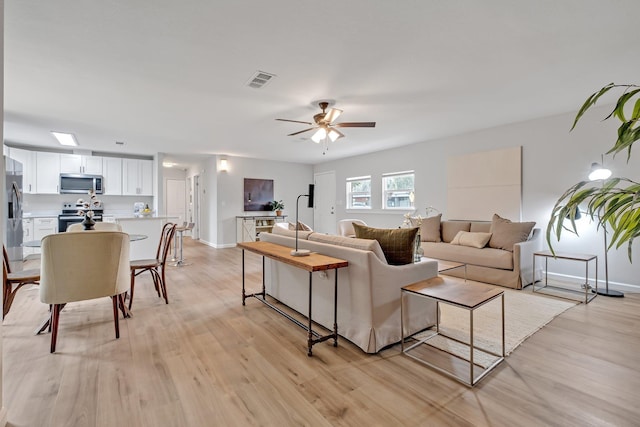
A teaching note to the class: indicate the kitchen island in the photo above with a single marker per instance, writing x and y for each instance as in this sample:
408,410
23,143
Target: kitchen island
149,225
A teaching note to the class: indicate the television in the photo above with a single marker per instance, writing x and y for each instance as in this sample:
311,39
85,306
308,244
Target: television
257,194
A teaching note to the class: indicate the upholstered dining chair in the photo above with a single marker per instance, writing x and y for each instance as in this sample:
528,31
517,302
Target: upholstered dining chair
155,266
17,279
98,226
73,271
345,227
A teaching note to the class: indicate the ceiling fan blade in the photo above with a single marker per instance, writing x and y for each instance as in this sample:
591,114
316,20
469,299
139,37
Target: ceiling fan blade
302,131
355,125
331,115
294,121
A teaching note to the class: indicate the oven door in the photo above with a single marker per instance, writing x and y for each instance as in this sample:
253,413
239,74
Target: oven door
64,221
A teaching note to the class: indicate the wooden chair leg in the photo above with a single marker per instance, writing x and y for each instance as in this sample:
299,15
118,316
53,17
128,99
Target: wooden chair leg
133,282
115,299
55,318
164,286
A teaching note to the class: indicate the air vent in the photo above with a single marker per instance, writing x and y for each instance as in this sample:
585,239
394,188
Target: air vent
259,79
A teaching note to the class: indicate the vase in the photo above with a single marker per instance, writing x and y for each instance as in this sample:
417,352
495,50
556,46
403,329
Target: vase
278,212
417,251
88,223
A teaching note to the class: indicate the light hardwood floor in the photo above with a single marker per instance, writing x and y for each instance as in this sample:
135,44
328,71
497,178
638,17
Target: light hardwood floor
205,360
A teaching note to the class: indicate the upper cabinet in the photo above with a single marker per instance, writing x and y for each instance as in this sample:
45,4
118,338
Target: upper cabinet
28,160
47,172
76,163
112,176
137,177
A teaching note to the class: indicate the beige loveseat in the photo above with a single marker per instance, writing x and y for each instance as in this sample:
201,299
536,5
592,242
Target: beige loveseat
511,266
368,289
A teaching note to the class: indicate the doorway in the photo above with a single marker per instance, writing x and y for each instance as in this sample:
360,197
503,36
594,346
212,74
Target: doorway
324,211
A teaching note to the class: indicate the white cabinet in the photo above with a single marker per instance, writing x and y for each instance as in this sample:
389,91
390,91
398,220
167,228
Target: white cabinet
137,177
76,163
43,227
112,176
28,160
47,172
27,234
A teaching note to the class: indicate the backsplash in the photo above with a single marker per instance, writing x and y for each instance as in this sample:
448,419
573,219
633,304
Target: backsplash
51,204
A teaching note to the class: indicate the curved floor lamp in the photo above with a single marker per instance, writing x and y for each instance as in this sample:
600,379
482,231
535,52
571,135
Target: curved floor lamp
600,173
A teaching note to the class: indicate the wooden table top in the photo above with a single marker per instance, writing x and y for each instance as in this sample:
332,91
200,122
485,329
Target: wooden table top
454,291
312,262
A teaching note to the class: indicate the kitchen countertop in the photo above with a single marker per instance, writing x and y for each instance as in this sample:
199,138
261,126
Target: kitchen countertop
132,217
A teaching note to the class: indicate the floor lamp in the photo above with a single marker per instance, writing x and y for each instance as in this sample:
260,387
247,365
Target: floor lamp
599,172
296,251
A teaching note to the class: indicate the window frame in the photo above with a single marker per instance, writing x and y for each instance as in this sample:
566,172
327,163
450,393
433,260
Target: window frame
409,191
350,194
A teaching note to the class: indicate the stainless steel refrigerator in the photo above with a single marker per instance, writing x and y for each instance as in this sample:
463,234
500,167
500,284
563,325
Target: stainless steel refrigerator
13,212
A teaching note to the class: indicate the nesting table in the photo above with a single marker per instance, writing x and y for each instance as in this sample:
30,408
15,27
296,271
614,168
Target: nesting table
586,258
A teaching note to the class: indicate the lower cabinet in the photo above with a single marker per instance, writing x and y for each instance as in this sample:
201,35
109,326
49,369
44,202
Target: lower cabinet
43,227
248,228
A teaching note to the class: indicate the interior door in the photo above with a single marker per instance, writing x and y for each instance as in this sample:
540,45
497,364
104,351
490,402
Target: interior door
176,199
324,210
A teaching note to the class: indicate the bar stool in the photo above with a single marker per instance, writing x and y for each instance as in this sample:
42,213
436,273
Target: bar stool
179,262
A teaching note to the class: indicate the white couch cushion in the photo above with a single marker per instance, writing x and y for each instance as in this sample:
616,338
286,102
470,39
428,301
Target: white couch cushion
351,242
486,257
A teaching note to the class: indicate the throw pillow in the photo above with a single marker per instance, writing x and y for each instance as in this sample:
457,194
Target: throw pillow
475,240
505,234
301,226
429,228
397,244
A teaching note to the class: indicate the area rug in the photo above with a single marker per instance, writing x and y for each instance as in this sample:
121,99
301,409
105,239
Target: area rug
525,314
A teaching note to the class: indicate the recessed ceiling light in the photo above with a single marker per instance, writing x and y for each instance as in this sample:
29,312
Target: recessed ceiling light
65,138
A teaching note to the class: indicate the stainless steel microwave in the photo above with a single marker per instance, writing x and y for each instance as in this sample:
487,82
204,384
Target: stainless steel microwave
77,183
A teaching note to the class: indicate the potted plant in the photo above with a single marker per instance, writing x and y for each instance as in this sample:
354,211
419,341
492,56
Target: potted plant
277,206
614,202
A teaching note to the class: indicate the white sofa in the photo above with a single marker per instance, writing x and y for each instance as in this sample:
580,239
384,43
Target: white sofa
368,289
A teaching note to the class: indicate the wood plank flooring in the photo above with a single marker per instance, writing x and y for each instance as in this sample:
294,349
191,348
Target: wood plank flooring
205,360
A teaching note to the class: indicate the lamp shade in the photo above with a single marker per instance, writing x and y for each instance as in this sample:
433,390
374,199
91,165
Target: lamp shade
598,172
319,135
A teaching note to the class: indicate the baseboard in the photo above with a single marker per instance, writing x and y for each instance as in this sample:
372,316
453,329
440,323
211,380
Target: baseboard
216,246
612,285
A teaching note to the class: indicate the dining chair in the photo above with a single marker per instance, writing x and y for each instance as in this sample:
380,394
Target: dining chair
155,266
17,279
73,271
98,226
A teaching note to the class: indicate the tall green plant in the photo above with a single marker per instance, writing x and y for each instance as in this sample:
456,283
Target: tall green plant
616,201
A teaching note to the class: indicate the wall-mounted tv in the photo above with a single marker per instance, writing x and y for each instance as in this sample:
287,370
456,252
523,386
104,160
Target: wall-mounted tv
257,194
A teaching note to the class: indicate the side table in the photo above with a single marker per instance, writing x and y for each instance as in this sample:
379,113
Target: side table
586,258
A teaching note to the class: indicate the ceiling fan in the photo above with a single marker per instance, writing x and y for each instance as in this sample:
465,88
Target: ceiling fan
325,128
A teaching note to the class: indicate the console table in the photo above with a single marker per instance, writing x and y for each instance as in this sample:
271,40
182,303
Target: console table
313,262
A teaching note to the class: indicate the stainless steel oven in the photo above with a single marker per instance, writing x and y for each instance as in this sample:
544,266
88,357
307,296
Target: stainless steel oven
70,215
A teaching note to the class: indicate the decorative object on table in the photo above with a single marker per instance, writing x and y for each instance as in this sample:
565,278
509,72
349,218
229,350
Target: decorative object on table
276,206
430,209
146,211
416,221
614,202
310,196
87,210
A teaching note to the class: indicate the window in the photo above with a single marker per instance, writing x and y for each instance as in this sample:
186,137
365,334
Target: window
398,190
359,192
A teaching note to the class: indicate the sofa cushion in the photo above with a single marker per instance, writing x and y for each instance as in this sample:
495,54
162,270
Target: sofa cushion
485,257
290,233
480,227
505,234
451,228
474,240
398,244
429,228
350,242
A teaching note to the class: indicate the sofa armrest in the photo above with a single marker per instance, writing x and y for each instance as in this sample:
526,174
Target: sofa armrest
523,256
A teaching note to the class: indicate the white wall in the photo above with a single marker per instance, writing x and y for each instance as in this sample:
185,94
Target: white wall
553,160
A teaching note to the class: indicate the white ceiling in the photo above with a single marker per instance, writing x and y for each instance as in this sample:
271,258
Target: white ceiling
170,76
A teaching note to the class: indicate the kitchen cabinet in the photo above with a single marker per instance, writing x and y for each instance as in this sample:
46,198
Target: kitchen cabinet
137,177
27,234
112,176
43,227
47,172
76,163
28,160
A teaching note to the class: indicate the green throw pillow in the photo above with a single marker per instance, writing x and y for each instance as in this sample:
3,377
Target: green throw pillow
397,243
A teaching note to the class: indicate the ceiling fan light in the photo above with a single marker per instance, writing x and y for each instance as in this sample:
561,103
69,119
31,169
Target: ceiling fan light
333,114
319,135
333,135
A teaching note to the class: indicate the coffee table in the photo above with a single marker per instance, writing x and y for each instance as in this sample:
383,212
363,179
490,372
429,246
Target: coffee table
452,291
